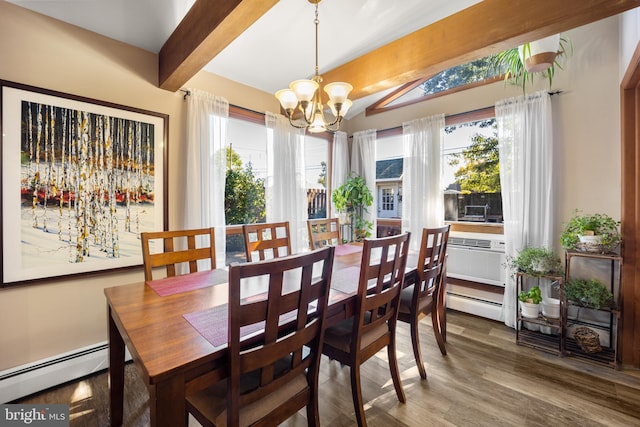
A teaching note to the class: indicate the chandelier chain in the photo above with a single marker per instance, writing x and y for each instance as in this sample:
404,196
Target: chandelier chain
304,96
316,21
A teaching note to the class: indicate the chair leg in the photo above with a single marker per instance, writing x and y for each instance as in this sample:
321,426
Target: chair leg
356,392
438,326
415,341
313,414
443,323
393,365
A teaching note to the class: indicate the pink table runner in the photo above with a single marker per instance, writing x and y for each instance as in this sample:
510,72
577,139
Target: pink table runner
347,249
188,282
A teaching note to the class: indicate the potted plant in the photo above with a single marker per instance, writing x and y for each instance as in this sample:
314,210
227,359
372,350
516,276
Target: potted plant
591,293
520,64
591,233
354,197
537,262
530,302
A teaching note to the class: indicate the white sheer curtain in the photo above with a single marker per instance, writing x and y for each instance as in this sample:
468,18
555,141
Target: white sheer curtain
525,141
285,188
207,117
339,164
422,190
363,163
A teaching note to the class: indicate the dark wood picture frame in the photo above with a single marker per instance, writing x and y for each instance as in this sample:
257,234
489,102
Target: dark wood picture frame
81,178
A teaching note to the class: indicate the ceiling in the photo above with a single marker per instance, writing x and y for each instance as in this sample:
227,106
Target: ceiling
279,46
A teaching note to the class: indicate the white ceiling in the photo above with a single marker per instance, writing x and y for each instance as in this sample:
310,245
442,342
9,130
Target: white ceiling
279,47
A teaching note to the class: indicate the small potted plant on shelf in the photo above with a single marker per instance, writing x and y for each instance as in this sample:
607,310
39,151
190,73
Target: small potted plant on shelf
537,262
591,293
591,233
530,302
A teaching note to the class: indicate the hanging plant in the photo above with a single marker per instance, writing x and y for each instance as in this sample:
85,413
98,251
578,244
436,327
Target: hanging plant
511,63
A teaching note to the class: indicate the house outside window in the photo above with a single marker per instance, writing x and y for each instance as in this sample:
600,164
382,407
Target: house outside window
388,185
471,175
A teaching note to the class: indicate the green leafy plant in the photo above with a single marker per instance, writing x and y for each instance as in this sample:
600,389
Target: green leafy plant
590,293
509,63
354,197
537,262
533,296
591,225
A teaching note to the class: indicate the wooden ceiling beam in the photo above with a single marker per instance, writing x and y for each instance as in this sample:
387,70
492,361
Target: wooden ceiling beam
487,27
208,27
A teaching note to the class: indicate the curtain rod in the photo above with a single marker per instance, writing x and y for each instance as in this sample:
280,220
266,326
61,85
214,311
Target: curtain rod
450,116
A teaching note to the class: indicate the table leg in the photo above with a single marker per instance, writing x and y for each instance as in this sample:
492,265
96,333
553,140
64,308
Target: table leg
167,403
116,373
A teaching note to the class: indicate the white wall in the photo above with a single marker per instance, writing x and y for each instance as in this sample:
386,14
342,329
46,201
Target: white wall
43,320
586,116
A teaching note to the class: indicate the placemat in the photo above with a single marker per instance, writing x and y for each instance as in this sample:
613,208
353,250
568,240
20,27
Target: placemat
346,280
342,250
212,324
188,282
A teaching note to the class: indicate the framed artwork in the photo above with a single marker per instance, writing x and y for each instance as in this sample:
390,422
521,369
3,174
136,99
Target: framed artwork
81,179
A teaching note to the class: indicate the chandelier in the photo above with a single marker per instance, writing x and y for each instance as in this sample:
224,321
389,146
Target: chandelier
306,97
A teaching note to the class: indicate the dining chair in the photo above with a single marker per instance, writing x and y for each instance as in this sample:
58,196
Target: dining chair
266,240
274,344
373,326
168,250
323,232
426,295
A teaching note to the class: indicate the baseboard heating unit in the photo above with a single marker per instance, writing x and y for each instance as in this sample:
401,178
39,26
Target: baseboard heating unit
476,273
40,375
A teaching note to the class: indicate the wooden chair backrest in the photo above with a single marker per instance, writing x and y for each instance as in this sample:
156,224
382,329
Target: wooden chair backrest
323,232
180,247
266,240
381,279
431,262
291,314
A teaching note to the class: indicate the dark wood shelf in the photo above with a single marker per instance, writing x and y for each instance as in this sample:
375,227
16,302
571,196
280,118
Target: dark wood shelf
605,357
540,341
551,343
609,355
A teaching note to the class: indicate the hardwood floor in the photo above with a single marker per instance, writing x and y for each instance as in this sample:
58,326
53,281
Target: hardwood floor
485,380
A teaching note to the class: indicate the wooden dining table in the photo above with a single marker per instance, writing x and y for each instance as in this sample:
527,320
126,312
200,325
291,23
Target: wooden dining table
175,331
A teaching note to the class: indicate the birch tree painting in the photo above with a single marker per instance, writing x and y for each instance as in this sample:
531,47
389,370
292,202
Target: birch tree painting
87,184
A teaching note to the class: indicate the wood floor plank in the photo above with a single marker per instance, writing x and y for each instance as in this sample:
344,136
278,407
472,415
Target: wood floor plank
485,380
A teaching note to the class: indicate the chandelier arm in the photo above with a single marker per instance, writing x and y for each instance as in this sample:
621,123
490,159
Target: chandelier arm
309,120
329,127
337,121
297,125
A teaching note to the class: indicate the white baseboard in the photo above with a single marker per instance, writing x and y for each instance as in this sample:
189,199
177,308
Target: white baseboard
490,310
33,377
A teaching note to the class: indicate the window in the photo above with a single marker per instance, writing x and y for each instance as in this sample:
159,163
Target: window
245,201
471,172
461,77
316,159
389,167
246,172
